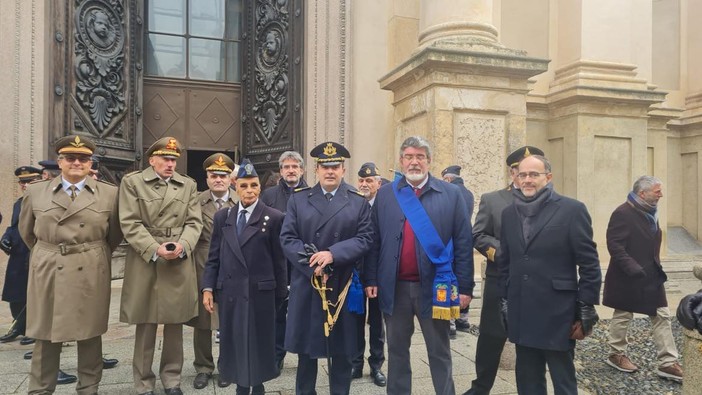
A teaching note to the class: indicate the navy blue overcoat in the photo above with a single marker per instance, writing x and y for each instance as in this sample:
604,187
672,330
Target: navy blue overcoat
343,227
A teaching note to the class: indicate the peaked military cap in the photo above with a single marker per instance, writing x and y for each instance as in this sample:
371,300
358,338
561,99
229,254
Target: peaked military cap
49,165
368,169
515,157
74,144
27,173
167,147
330,153
454,169
246,170
219,163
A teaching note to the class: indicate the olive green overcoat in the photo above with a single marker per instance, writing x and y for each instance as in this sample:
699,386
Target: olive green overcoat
153,212
68,291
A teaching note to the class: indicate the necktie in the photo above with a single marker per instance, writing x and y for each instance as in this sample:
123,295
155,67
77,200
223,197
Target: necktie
219,203
73,192
329,196
241,222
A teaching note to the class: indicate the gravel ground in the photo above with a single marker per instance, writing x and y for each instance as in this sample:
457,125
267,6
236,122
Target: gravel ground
595,376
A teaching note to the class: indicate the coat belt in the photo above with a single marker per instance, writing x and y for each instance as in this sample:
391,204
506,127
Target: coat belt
164,232
68,249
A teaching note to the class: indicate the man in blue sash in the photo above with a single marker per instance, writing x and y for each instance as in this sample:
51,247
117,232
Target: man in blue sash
421,265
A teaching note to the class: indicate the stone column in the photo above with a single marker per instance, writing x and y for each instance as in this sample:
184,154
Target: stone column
443,21
464,91
599,105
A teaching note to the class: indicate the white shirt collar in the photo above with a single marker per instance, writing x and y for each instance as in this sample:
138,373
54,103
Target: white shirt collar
65,185
224,198
249,209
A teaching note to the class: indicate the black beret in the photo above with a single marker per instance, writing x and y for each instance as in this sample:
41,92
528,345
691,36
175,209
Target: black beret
454,169
368,169
515,157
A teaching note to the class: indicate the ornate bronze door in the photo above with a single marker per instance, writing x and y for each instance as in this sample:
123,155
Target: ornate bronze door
96,78
272,81
191,87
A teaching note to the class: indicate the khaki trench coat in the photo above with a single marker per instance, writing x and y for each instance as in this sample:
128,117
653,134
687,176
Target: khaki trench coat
204,319
68,293
153,212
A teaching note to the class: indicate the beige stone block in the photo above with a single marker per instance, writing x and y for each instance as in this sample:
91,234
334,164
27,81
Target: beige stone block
402,39
479,147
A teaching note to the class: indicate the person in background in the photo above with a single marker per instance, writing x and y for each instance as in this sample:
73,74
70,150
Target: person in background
635,279
218,168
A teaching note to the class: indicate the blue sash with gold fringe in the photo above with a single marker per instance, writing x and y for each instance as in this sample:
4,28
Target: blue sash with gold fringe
446,304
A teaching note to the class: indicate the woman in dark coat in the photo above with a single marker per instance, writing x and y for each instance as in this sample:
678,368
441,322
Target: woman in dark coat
248,274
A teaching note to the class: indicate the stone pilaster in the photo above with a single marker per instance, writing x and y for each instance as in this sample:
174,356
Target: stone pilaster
598,135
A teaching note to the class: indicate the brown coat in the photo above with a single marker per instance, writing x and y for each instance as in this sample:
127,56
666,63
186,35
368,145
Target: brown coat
635,277
68,295
205,320
151,213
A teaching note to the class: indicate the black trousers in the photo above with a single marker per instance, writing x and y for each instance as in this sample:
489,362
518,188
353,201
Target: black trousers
306,379
281,317
531,371
491,340
19,314
376,336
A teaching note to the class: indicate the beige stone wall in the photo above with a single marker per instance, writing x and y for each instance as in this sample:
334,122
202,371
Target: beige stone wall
23,103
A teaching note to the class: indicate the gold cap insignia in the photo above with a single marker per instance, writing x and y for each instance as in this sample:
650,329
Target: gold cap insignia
526,152
249,168
329,150
368,170
172,144
220,162
77,143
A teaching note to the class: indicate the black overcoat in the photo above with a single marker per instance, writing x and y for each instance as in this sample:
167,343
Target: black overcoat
635,277
17,273
541,277
343,227
247,273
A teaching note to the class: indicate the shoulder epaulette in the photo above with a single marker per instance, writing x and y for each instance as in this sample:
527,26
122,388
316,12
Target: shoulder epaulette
38,181
132,173
296,190
107,182
357,192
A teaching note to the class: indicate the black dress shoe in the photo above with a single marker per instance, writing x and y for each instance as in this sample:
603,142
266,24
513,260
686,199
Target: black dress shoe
463,326
258,390
242,390
221,383
65,378
109,363
25,341
378,378
174,391
9,336
28,355
357,372
201,380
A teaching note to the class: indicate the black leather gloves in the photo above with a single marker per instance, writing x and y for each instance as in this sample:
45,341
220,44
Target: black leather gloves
6,246
503,312
587,315
310,249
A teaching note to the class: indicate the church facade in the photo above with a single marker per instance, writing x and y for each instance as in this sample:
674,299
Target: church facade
609,90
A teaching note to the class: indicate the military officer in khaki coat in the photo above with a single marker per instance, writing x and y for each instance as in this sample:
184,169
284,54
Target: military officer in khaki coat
71,225
160,217
219,168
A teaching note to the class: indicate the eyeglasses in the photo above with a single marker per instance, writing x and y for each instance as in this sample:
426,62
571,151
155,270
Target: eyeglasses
72,158
418,157
531,174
